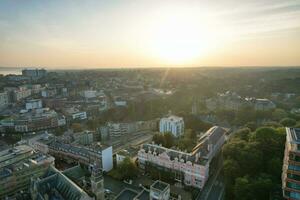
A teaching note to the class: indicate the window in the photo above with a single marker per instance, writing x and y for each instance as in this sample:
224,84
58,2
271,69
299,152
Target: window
293,185
293,176
294,167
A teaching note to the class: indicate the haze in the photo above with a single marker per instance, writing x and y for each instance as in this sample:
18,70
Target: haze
155,33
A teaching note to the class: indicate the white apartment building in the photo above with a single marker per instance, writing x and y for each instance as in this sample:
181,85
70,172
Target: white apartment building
172,124
190,168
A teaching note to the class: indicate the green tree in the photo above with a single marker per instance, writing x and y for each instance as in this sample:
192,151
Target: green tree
278,114
288,122
168,140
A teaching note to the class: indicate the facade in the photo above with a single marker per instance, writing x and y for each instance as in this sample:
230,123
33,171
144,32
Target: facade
291,165
17,166
33,104
16,94
232,101
49,92
123,128
34,73
83,154
3,100
79,115
264,104
190,168
88,94
74,113
172,124
39,119
121,155
159,191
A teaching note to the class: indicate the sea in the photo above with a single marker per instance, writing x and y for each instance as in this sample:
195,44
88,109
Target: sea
10,70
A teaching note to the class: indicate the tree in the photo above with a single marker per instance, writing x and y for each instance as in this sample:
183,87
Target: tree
125,170
168,140
165,139
243,134
279,114
288,122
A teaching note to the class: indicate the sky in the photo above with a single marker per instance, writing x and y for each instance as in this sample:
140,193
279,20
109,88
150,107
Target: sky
143,33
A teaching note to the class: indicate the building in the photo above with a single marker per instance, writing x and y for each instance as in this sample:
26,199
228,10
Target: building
49,92
190,168
172,124
35,120
159,191
3,100
264,104
115,129
291,165
33,104
83,154
97,181
56,185
74,113
88,94
232,101
34,73
121,155
84,138
17,166
16,94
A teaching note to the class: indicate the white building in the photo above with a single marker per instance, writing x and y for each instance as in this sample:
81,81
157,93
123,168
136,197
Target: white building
121,155
89,94
33,104
107,158
79,115
159,191
191,168
264,104
172,124
74,113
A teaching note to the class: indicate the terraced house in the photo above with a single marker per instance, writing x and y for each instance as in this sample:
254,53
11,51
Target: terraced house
190,168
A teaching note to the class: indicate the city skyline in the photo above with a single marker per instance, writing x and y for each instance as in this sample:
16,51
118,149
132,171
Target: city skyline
101,34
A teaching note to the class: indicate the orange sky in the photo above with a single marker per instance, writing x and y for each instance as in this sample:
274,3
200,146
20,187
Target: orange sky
149,33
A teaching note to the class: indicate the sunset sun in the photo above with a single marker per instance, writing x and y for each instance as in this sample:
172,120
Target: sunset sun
181,37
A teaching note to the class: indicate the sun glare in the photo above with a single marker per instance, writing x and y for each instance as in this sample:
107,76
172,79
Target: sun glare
181,37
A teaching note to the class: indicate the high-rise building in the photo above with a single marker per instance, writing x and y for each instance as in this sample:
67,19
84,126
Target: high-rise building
291,165
172,124
34,73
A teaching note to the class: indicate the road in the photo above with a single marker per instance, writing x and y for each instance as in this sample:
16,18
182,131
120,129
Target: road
213,187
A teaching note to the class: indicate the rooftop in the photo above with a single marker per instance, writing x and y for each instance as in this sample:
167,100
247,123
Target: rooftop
14,152
159,185
126,194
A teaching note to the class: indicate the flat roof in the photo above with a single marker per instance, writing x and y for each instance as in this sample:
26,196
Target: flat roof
159,185
126,194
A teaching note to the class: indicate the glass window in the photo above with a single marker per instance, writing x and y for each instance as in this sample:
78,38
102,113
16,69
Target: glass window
293,185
